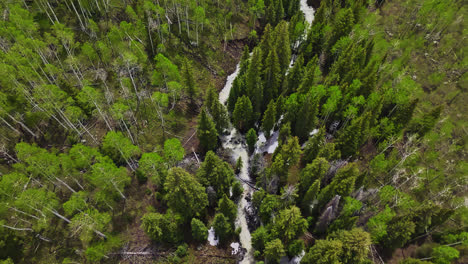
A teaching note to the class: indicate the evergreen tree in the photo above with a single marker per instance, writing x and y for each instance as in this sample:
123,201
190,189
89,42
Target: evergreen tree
310,197
403,114
185,195
251,138
423,125
162,227
272,75
324,252
342,184
274,250
228,208
235,92
260,238
269,118
199,230
313,146
356,245
216,173
189,81
222,228
289,224
295,74
351,137
306,117
243,114
253,81
312,172
244,62
311,76
283,47
206,132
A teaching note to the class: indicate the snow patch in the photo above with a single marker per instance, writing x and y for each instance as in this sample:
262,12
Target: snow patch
212,239
313,132
235,248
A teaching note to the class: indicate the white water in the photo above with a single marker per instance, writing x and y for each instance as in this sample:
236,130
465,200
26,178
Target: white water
224,94
236,142
308,11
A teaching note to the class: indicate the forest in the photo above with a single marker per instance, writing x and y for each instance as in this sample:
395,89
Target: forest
233,131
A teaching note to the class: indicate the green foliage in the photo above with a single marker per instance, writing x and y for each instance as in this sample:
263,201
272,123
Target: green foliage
242,115
199,230
314,171
289,224
182,250
216,173
206,132
356,245
269,118
119,148
251,138
163,227
173,151
228,208
444,255
324,252
295,248
259,238
185,195
99,250
274,250
222,228
154,167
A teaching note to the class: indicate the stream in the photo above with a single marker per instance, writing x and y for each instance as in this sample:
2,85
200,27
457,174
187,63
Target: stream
235,142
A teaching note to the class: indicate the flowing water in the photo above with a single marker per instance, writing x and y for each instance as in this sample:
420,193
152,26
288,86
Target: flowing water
236,143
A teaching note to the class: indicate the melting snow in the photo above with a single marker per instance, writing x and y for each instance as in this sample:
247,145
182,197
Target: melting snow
211,237
235,248
315,131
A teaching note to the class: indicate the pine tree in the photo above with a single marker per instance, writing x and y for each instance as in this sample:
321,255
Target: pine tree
251,138
313,146
189,82
236,92
272,77
423,125
306,117
283,46
312,76
222,228
274,250
243,114
185,195
206,132
312,172
245,60
253,81
342,184
309,198
216,173
289,224
295,74
199,230
228,208
350,139
269,118
266,44
217,111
